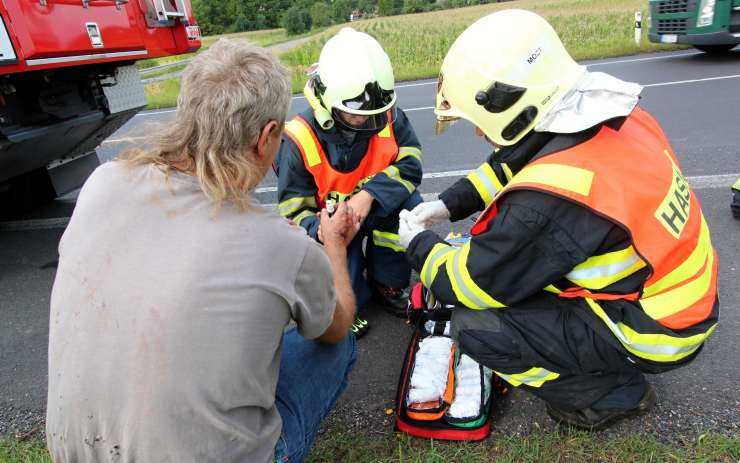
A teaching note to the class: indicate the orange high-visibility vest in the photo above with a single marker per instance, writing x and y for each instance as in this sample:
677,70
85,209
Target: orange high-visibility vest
631,177
381,152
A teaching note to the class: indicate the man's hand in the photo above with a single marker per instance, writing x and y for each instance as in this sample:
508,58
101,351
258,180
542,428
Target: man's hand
361,204
340,228
408,227
431,213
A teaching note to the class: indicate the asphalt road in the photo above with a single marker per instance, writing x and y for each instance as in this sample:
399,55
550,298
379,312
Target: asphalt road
696,98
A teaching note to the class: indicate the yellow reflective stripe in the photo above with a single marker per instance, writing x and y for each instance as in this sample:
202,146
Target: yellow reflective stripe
386,132
299,218
552,289
507,171
486,182
406,151
737,184
465,289
388,240
689,267
566,178
600,271
436,257
534,377
656,347
289,206
675,300
393,173
303,136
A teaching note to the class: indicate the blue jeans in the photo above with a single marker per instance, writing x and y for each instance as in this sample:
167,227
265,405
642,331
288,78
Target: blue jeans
312,377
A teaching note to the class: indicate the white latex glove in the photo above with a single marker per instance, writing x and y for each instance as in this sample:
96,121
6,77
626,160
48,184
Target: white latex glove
408,227
431,213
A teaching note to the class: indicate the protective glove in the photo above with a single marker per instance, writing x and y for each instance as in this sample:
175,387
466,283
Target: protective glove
431,213
408,227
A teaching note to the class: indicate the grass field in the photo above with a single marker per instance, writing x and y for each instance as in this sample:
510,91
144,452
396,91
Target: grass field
417,43
263,38
556,446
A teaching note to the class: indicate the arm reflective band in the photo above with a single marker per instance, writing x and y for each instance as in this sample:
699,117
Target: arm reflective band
392,173
656,347
486,183
534,377
507,171
465,289
736,186
299,218
406,151
600,271
293,205
436,257
388,240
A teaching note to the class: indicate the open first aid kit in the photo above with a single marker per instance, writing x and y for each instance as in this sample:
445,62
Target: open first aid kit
442,393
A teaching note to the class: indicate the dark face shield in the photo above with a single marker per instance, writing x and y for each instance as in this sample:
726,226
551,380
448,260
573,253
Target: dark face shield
371,110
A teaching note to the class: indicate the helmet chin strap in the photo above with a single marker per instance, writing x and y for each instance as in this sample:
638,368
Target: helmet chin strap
322,115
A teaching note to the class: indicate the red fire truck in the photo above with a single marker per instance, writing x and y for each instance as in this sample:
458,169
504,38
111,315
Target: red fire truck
68,80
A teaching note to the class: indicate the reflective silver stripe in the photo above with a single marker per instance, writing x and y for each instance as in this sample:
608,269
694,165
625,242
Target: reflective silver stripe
68,59
386,241
542,375
292,205
482,175
601,271
393,173
431,264
460,283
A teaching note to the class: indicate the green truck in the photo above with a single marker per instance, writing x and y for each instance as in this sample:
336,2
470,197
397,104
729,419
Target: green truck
712,26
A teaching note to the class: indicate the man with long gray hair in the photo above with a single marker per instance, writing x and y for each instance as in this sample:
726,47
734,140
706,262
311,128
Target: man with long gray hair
187,322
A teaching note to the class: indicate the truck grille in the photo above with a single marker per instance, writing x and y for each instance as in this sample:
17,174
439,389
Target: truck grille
675,6
672,26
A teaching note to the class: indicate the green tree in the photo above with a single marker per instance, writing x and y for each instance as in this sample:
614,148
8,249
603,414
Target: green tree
340,10
320,15
386,7
296,20
414,6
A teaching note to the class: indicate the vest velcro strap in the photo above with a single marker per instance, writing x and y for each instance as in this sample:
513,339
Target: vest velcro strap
581,292
298,131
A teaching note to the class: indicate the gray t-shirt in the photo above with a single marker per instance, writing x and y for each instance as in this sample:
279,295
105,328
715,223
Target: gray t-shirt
167,321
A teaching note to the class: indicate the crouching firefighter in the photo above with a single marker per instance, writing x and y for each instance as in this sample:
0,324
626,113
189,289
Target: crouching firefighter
592,262
353,144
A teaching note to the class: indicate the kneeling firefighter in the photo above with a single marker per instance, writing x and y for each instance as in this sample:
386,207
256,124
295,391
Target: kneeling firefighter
592,263
353,144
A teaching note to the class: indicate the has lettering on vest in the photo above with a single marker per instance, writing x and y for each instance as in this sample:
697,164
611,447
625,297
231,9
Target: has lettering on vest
673,212
338,197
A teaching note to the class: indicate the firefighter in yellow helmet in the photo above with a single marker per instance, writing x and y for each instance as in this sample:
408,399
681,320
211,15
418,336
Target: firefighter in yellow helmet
591,262
354,144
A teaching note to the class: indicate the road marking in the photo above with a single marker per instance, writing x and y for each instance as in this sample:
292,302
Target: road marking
652,58
699,182
691,81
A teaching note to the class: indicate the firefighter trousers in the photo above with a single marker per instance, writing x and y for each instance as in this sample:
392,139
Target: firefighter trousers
544,347
376,253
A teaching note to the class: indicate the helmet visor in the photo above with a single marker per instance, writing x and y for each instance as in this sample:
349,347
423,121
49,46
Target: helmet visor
364,123
373,100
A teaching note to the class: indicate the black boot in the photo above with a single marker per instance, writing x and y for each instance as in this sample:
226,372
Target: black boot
393,300
359,327
592,420
735,206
